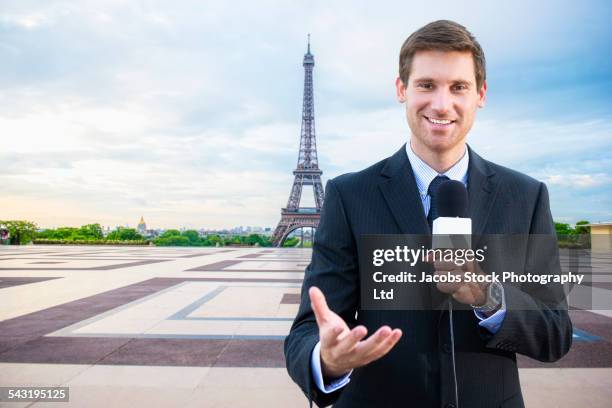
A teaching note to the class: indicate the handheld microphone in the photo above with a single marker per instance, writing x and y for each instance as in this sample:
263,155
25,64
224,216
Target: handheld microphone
452,229
452,206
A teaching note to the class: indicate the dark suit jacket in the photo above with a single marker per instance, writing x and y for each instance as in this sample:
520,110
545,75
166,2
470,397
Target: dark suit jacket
417,372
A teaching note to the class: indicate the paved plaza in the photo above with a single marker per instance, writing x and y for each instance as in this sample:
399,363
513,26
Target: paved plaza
204,327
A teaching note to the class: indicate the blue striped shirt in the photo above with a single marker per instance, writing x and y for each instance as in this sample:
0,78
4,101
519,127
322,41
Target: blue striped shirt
423,174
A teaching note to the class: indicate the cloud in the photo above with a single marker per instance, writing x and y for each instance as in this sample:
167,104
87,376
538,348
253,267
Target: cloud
25,21
189,113
578,180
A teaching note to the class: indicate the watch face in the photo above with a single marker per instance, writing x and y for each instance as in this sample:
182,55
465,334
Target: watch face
495,292
494,297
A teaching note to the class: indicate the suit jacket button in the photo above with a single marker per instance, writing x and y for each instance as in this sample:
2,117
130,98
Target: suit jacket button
450,405
447,348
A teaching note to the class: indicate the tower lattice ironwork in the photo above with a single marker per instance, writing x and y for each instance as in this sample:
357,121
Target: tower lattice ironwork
307,172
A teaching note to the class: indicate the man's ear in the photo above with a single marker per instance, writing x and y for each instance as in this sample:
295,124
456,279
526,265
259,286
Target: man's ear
400,90
482,94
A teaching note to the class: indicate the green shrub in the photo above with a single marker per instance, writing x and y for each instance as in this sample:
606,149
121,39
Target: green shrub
125,234
52,241
173,240
291,242
21,231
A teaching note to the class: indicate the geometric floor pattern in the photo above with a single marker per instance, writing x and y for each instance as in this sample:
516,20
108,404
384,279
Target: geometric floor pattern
113,322
199,310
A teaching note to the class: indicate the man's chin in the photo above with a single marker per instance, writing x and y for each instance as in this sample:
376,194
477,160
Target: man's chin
441,142
436,141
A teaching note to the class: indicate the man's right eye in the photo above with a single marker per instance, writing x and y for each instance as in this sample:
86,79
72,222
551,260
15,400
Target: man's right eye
425,85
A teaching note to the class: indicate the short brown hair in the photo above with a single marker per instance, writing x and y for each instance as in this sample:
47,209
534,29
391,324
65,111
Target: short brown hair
442,35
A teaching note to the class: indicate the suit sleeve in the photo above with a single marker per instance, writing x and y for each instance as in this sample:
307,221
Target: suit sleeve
333,269
537,323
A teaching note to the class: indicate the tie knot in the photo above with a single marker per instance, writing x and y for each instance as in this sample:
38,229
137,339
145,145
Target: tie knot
435,183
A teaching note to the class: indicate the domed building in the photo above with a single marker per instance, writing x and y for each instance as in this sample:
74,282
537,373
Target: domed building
142,226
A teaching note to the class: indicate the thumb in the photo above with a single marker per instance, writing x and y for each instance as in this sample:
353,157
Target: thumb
319,305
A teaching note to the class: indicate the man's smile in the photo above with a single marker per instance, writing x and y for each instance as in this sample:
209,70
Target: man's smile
439,123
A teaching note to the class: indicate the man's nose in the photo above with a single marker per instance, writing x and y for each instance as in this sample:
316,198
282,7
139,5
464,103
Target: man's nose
441,102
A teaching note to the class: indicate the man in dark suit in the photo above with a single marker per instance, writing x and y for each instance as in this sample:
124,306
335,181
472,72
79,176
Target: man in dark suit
408,361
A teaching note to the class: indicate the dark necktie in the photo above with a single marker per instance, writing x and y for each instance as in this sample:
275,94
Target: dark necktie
432,192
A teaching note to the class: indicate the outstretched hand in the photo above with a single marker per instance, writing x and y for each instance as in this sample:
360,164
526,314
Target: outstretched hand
343,349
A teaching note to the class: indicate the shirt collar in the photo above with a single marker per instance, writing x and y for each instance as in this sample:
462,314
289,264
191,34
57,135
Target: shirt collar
424,174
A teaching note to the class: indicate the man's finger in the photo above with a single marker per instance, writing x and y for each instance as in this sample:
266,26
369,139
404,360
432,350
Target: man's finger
449,287
385,346
329,334
349,339
449,266
365,347
319,305
457,273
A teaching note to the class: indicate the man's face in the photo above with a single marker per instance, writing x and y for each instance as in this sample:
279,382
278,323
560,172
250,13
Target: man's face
441,98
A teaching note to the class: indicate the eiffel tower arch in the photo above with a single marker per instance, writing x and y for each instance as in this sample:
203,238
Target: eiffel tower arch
307,172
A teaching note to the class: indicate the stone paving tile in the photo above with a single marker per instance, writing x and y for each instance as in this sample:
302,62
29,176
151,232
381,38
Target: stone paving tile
8,281
291,298
20,374
139,376
252,353
62,350
168,352
567,387
90,268
228,365
123,397
10,342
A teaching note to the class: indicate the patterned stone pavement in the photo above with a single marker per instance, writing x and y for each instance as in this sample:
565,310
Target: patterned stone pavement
148,326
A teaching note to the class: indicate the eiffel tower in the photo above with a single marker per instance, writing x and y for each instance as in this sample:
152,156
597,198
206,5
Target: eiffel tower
307,172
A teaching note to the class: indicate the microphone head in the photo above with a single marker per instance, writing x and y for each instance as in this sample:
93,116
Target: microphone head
452,199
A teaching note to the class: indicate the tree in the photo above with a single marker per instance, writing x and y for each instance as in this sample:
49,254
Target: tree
172,240
581,229
125,234
563,229
233,240
253,239
59,233
214,239
21,232
92,231
291,242
170,233
256,239
192,235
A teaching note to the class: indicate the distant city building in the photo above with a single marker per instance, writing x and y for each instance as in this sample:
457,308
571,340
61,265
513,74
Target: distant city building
142,226
601,236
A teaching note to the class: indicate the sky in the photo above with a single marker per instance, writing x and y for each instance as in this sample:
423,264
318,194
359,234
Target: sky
188,113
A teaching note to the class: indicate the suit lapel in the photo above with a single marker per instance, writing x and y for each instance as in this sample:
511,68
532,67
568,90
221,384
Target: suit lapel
482,189
404,201
402,196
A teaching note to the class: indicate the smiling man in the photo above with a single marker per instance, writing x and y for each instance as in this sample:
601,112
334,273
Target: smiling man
441,90
408,359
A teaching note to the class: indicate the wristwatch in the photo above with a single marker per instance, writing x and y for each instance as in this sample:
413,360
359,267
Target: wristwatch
495,294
